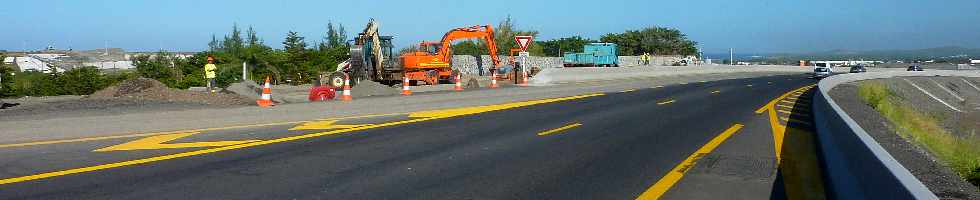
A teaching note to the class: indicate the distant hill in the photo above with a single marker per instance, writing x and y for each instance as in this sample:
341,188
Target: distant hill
951,52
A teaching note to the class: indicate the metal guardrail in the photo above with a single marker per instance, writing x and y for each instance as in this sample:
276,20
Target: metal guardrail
855,165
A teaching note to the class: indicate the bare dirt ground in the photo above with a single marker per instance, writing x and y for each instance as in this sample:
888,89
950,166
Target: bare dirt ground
138,95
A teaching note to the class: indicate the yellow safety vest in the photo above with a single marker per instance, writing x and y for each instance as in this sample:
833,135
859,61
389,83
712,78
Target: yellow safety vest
209,71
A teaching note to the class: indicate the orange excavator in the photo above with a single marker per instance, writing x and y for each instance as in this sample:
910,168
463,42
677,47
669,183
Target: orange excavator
433,61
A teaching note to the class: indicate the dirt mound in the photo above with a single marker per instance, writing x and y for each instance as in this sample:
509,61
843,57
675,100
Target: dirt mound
371,88
144,89
247,89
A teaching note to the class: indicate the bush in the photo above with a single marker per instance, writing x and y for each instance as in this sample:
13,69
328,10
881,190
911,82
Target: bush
78,81
81,81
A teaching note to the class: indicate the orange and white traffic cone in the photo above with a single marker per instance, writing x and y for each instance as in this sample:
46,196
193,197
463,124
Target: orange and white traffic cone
405,87
346,96
266,99
459,83
493,79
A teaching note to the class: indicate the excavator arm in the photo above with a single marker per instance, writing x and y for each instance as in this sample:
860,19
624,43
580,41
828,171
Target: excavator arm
474,32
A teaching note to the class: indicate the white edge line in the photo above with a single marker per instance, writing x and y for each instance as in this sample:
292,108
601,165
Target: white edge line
947,90
931,95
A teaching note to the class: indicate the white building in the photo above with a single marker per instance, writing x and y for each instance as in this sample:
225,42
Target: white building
111,65
974,62
28,63
838,63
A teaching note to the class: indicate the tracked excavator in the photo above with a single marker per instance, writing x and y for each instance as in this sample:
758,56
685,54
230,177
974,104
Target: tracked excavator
432,63
370,58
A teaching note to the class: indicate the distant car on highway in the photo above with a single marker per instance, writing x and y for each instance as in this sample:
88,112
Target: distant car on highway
858,69
914,68
822,72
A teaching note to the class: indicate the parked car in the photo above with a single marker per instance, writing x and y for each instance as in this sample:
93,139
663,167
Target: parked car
858,69
914,68
822,72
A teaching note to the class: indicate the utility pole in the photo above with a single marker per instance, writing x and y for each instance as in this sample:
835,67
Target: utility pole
244,72
731,56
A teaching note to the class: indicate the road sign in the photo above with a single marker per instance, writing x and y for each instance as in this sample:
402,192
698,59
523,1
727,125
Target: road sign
524,41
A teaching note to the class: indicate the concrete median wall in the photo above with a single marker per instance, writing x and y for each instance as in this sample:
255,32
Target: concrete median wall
471,65
855,165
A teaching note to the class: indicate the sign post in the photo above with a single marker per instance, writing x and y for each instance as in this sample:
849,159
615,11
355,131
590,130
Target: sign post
524,41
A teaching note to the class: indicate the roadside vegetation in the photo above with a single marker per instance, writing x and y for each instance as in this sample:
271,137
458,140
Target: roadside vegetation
301,60
298,62
961,154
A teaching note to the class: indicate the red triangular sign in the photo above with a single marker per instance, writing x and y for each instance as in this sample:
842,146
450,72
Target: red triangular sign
523,41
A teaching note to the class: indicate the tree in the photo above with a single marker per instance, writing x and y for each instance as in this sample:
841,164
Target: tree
504,37
336,37
253,38
656,40
557,47
233,43
214,45
295,47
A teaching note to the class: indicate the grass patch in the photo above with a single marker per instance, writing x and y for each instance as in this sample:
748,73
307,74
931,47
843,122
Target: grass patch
961,154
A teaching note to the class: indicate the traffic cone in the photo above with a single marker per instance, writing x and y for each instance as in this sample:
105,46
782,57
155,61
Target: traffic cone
266,99
493,79
346,96
459,83
405,87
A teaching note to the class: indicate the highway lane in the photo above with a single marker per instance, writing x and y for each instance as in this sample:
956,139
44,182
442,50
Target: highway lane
612,146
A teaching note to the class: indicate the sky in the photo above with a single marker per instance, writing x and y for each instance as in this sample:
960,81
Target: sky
758,26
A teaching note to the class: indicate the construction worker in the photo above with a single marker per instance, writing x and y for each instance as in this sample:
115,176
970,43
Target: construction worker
210,75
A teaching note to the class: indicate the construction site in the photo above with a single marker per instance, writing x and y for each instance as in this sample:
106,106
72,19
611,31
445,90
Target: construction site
480,111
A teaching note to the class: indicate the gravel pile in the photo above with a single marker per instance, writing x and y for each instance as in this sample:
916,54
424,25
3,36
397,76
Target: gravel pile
247,89
371,88
144,89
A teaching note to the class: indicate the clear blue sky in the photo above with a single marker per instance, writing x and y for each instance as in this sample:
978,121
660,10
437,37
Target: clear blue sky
761,26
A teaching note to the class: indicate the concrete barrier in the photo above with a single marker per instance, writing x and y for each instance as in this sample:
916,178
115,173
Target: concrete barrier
855,165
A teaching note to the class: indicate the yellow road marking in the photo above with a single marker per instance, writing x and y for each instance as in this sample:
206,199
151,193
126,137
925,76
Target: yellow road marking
665,102
683,83
658,189
324,125
570,126
716,92
156,142
142,135
173,132
802,180
424,116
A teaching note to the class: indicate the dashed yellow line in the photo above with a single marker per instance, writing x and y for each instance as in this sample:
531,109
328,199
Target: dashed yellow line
716,92
665,183
666,102
552,131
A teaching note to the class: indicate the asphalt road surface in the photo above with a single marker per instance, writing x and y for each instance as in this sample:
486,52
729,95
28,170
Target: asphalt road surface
728,139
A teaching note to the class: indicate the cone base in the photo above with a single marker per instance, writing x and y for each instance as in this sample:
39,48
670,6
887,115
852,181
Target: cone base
264,103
